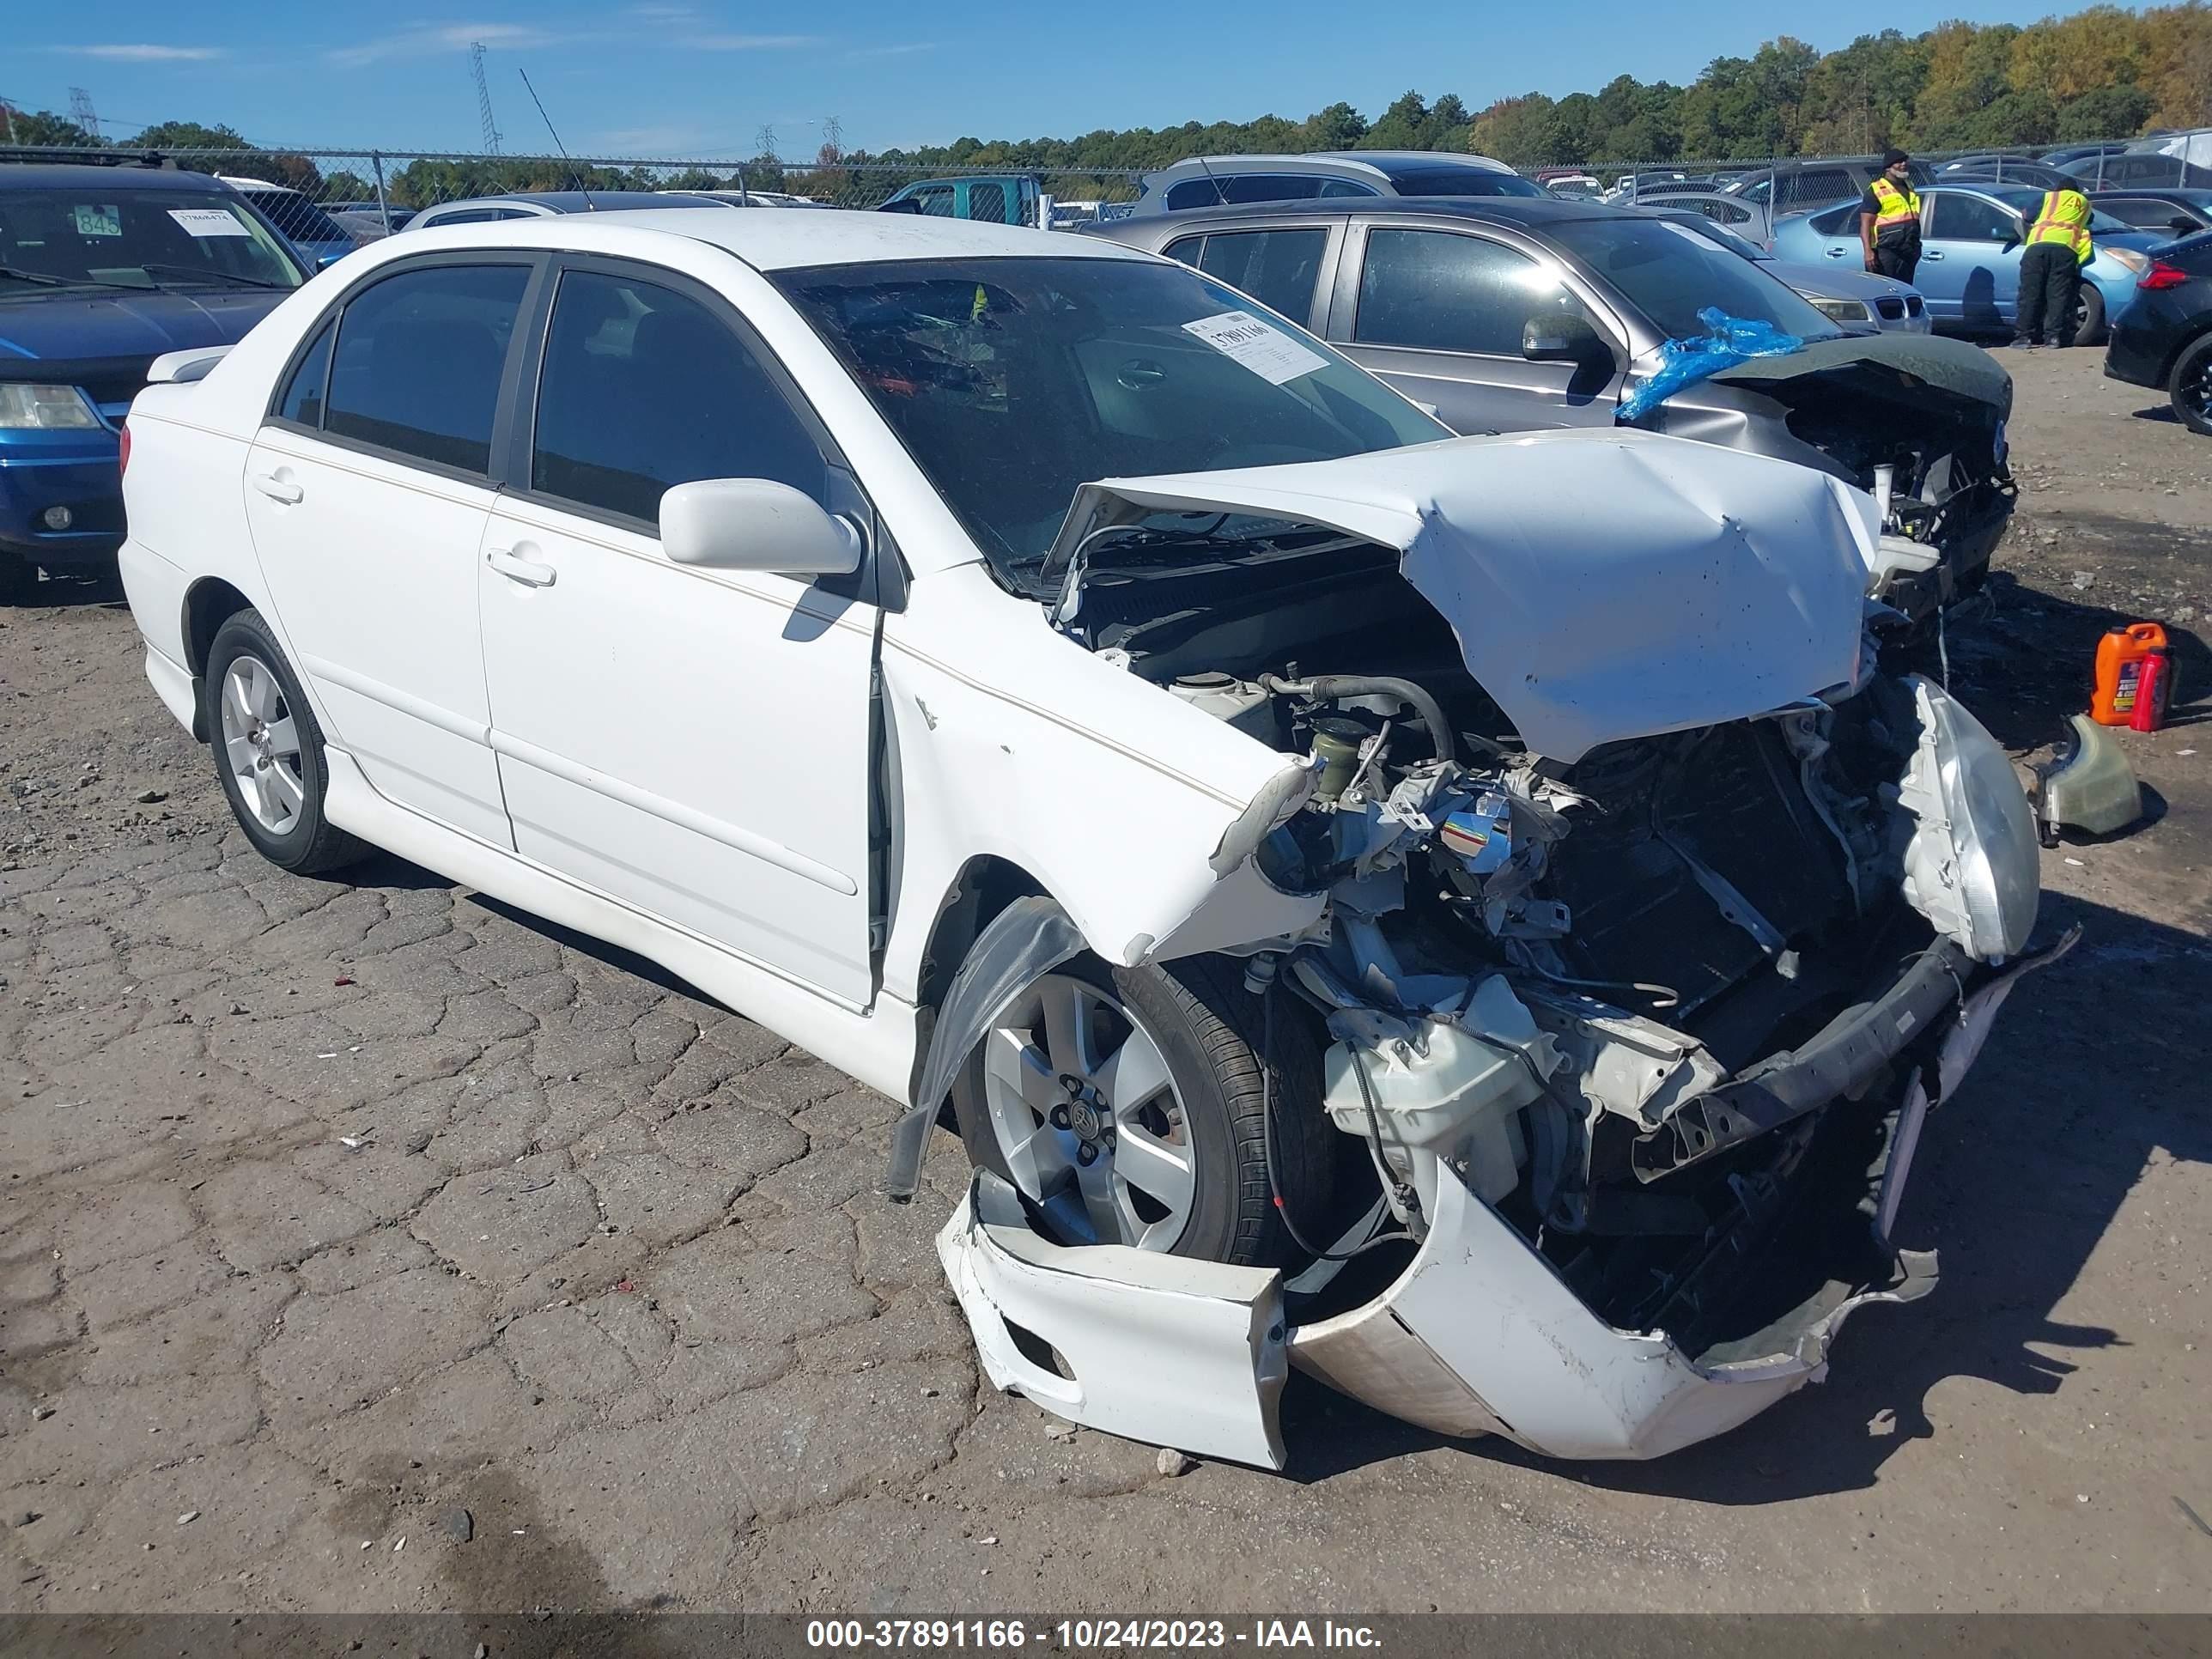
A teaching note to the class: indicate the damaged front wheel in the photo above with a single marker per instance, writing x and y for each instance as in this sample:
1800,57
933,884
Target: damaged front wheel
1125,1106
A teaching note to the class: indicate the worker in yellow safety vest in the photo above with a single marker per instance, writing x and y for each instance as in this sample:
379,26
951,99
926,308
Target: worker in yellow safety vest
2058,247
1889,219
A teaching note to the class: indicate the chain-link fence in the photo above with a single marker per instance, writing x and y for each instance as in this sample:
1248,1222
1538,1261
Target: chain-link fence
335,197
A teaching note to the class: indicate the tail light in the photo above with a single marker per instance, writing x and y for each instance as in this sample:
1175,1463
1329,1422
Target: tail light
2162,275
124,454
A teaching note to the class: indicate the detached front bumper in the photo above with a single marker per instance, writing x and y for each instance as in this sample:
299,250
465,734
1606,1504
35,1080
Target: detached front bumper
1478,1335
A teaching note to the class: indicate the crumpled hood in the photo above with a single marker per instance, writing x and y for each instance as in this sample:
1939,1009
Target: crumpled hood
101,327
1911,370
1602,584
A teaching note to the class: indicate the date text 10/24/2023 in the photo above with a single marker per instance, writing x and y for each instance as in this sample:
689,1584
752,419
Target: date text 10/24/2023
1086,1634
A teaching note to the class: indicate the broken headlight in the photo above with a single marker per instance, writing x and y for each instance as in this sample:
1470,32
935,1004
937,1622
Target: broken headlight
1971,865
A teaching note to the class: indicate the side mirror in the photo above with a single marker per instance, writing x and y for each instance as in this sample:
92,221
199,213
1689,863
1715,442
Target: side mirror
2182,225
1564,338
752,524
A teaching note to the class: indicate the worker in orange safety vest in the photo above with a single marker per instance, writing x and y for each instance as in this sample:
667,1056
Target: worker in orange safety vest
2058,247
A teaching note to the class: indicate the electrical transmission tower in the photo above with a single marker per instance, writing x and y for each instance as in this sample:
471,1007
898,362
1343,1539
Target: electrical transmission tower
81,112
483,99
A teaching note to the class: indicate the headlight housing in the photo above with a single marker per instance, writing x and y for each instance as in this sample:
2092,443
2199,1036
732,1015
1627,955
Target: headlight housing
45,408
1844,311
1971,864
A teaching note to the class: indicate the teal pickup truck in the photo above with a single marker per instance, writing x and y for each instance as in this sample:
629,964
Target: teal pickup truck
1007,198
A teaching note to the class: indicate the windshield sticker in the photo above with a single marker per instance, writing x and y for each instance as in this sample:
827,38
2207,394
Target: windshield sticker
1262,347
209,221
106,221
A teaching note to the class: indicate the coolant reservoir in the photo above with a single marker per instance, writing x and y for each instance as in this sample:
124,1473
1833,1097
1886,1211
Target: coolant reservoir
1456,1100
1238,702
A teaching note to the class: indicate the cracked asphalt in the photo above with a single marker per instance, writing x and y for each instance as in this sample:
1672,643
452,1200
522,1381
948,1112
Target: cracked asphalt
367,1246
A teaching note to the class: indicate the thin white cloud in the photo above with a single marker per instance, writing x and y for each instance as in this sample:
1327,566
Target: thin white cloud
907,50
455,37
144,53
661,14
751,42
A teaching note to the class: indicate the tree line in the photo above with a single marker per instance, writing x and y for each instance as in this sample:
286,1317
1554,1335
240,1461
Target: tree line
2101,73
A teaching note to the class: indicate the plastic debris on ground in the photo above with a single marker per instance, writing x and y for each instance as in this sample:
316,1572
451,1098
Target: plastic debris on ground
1726,341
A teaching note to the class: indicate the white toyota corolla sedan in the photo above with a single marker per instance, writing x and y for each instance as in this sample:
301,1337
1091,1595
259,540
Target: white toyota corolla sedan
1466,917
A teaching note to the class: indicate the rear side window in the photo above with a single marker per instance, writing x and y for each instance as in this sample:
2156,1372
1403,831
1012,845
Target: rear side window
1278,268
1437,290
1234,187
1835,220
643,388
305,393
417,363
987,203
1958,218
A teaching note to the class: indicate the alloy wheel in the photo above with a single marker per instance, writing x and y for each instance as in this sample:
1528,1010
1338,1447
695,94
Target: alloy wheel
1088,1118
261,744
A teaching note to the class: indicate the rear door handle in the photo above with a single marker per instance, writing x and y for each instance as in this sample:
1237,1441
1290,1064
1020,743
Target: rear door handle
1836,252
1931,254
279,489
528,572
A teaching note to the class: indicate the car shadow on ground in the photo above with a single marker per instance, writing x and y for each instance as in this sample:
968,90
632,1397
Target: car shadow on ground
2017,1182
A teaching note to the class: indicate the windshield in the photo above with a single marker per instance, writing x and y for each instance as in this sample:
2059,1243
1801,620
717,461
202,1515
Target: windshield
1671,272
296,216
1013,381
110,235
1742,247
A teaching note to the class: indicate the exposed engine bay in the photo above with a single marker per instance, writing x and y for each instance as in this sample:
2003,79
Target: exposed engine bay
1528,970
1633,960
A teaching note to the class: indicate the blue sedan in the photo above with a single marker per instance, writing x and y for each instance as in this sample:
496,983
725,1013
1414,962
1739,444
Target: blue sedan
1971,238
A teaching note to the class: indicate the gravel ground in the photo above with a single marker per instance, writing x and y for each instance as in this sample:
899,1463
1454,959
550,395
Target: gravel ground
371,1247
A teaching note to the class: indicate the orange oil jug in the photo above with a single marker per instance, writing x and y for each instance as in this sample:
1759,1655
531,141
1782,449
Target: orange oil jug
2120,656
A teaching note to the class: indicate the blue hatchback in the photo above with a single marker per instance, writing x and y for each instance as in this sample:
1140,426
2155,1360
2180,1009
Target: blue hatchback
103,269
1971,240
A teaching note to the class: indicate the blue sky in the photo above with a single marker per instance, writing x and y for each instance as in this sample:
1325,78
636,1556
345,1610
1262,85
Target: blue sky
670,77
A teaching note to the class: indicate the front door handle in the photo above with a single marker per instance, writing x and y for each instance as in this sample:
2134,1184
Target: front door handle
1837,253
528,572
1931,254
279,489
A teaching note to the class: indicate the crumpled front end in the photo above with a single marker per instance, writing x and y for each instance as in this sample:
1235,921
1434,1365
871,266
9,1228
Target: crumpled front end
1633,960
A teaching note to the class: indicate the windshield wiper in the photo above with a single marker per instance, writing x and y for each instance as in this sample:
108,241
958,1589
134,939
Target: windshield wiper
48,279
223,276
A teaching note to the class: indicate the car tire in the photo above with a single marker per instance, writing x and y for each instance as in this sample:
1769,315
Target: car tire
1207,1027
2189,386
19,579
268,751
2089,329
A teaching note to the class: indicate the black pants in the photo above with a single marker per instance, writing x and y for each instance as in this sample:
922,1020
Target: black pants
2049,274
1896,260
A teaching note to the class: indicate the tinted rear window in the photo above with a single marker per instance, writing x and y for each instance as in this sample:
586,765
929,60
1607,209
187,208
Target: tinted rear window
418,361
1462,181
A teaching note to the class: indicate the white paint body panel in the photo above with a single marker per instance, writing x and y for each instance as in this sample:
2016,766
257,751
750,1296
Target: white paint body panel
1151,1338
1604,584
694,742
373,569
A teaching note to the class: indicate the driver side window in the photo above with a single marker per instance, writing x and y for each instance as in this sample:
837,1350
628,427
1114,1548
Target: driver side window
1437,290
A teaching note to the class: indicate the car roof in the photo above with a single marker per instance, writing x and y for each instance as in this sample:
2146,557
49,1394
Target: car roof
1532,212
779,241
1388,163
596,201
85,176
2196,195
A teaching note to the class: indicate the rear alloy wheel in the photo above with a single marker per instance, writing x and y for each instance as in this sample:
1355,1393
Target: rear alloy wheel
2088,316
2191,387
268,751
1125,1107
